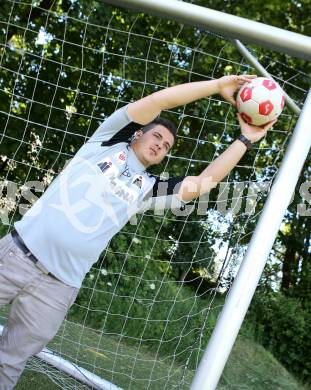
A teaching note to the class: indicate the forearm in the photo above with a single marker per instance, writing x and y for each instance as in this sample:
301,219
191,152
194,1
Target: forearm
184,93
145,110
223,164
194,186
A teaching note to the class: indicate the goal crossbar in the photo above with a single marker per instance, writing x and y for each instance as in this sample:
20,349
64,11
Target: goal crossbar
275,38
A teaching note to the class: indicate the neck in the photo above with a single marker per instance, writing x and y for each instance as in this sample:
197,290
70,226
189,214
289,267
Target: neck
135,149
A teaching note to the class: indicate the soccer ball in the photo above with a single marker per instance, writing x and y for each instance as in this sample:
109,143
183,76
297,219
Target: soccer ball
260,101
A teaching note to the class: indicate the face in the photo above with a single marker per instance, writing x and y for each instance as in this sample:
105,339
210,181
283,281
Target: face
151,147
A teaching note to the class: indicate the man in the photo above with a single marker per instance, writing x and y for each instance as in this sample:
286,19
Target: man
46,256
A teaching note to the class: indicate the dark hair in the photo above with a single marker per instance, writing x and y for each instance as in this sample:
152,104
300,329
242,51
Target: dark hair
164,122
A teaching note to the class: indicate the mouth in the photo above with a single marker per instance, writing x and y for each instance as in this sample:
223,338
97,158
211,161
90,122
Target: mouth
154,152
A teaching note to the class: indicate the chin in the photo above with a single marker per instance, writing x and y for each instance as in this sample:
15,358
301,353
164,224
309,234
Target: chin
156,162
149,160
152,160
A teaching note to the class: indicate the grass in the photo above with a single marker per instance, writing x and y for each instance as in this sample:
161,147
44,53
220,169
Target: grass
127,366
249,367
252,367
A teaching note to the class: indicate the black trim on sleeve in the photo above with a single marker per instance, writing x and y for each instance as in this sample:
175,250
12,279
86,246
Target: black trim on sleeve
123,135
166,187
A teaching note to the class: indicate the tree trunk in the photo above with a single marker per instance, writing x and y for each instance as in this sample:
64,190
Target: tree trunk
287,267
183,275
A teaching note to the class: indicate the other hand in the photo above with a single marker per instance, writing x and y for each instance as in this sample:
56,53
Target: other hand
228,85
254,133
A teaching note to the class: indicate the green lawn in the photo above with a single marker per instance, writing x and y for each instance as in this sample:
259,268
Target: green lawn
250,366
129,368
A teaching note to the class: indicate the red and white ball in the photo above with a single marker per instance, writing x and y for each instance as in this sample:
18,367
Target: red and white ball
260,101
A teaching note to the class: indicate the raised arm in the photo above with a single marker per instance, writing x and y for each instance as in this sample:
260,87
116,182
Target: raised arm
145,110
194,186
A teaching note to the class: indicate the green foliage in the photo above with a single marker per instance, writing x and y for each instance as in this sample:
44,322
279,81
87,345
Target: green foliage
284,327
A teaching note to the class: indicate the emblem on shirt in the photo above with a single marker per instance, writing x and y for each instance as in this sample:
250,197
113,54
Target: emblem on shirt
104,165
120,157
138,181
126,171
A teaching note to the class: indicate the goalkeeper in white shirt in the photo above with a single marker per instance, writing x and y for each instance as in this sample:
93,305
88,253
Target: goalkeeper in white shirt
45,258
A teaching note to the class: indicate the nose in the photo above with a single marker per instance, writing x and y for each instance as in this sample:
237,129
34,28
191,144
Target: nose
158,145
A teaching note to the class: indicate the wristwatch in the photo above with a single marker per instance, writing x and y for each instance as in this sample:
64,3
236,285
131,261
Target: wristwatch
245,141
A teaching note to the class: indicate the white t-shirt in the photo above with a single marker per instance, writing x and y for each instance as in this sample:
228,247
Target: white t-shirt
96,194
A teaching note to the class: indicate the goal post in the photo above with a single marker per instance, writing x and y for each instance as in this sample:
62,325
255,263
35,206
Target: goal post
245,283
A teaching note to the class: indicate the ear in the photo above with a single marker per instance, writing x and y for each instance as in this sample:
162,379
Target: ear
138,134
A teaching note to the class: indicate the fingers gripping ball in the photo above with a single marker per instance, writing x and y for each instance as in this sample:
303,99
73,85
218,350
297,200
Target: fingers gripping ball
260,101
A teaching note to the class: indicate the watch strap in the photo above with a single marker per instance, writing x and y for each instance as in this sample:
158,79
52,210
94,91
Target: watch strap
245,141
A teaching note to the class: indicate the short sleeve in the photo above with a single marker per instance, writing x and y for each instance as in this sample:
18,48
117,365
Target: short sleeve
164,194
166,187
118,127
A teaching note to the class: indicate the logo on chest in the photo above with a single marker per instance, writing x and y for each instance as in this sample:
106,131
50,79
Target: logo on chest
120,157
138,181
126,171
126,185
104,165
123,191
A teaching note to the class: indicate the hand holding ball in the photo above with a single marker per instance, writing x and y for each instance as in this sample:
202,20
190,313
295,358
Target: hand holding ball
260,101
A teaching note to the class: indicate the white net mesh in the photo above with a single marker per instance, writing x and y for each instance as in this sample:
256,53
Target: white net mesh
147,307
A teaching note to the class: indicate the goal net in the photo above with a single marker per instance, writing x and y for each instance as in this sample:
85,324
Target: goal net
147,308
